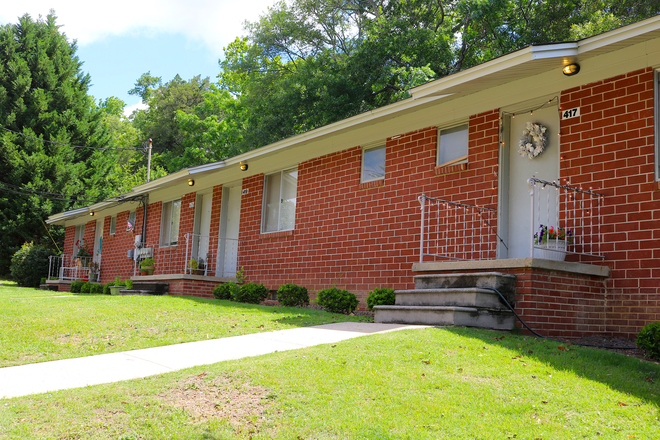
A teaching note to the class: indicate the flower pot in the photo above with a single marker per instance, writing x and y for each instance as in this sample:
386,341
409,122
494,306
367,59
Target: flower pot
143,272
552,243
148,269
93,278
114,290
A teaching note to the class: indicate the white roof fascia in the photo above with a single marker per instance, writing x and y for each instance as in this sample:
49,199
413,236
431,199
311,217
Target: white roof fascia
504,62
206,167
558,50
334,128
631,33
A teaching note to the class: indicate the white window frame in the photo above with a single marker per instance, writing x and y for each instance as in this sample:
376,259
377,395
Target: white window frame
656,115
166,223
264,206
365,150
113,225
459,160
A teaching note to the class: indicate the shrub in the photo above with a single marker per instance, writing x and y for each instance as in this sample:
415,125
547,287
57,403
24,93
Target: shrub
337,301
251,293
226,290
129,284
380,297
76,286
95,288
29,264
43,281
649,340
290,295
86,287
106,288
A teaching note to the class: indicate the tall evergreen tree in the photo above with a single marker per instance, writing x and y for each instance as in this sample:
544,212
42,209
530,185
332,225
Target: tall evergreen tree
45,105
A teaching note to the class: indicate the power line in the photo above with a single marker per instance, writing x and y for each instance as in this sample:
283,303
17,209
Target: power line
42,194
67,145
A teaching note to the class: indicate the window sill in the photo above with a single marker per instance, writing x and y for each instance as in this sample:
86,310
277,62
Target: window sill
451,169
372,184
278,234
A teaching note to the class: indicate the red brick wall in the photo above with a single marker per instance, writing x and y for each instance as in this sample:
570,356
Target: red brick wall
610,148
114,259
360,239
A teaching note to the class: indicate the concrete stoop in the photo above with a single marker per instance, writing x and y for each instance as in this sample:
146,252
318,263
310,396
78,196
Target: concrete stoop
460,299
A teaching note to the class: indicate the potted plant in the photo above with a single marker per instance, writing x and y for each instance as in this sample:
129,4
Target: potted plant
147,265
83,254
196,267
550,237
94,269
114,289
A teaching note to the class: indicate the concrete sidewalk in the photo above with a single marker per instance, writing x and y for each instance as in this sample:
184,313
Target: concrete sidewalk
114,367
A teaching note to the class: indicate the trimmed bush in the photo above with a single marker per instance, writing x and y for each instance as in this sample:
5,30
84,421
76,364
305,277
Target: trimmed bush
649,340
337,301
76,286
226,290
380,297
251,293
290,295
106,288
95,288
29,265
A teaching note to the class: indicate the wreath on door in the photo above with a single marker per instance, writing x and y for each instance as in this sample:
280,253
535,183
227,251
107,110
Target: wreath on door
533,140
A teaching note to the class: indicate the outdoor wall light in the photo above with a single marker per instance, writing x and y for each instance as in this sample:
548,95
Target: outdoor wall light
91,212
571,69
244,166
191,182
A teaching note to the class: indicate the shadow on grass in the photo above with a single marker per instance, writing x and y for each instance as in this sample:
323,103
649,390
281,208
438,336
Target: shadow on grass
293,316
622,373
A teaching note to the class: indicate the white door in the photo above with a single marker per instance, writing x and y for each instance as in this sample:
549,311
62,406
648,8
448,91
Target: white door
517,200
98,241
204,226
229,229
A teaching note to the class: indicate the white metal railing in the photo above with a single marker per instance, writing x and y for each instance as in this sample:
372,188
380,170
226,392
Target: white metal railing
65,267
203,255
565,220
457,231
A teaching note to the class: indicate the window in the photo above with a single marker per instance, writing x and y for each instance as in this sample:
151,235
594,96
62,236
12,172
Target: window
169,223
373,164
279,209
113,224
453,145
130,225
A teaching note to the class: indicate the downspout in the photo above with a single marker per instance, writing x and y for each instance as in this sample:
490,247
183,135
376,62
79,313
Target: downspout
145,203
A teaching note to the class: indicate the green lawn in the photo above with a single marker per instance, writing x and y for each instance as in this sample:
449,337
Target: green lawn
38,325
434,383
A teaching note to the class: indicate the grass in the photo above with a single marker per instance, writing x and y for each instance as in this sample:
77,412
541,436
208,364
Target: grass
435,383
38,325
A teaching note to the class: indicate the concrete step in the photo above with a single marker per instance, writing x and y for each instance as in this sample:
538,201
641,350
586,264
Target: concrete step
462,297
138,292
503,282
445,316
155,288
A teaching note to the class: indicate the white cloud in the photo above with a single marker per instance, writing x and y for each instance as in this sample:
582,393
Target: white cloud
129,109
215,22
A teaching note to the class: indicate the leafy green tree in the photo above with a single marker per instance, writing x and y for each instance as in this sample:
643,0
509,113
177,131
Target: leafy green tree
159,120
44,102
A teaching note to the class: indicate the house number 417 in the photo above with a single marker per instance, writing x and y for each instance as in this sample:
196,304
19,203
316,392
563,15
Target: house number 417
571,113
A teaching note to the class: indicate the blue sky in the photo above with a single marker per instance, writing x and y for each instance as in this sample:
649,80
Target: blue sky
119,41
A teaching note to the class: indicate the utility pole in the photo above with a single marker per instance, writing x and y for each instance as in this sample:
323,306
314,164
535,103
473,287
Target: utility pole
149,162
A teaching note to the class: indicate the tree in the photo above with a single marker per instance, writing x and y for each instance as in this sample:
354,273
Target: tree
307,63
44,102
159,120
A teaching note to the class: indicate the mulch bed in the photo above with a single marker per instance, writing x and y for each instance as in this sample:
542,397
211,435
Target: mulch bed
614,344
